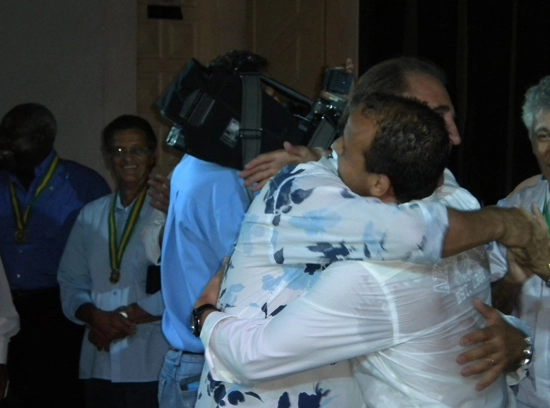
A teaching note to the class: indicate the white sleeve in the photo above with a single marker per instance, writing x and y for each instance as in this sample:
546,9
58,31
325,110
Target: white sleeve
9,319
150,236
336,320
312,217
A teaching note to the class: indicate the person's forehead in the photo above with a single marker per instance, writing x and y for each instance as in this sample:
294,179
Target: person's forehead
18,140
134,136
542,120
428,89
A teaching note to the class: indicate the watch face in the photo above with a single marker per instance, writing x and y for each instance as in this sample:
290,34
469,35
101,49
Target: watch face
194,323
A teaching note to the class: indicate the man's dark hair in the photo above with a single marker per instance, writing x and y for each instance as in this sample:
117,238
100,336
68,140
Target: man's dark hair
240,61
411,144
390,77
32,120
129,122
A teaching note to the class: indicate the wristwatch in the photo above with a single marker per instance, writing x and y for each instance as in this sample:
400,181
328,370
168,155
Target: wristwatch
527,352
195,321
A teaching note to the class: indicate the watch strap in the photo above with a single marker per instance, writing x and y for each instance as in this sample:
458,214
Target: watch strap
527,352
197,315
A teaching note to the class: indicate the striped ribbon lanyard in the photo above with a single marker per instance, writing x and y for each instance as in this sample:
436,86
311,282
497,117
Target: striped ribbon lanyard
546,214
22,217
116,250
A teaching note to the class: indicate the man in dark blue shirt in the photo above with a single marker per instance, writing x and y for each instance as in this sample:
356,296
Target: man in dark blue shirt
40,198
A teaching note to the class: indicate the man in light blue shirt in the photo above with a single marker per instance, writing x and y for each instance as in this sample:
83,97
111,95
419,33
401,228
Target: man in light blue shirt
207,205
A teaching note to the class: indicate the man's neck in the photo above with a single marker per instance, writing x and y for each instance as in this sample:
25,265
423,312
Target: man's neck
25,177
26,174
129,194
441,180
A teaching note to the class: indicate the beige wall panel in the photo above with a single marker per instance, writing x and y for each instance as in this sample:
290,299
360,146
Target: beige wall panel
209,28
342,31
290,33
149,39
232,25
180,40
164,47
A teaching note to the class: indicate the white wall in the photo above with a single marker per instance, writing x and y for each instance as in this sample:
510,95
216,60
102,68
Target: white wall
76,57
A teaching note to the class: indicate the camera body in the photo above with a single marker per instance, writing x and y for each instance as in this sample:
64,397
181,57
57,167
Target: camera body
207,108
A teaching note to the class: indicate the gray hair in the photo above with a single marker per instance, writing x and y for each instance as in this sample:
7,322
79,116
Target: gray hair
390,77
537,99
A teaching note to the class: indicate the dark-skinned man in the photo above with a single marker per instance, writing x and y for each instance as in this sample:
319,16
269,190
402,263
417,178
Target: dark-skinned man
40,198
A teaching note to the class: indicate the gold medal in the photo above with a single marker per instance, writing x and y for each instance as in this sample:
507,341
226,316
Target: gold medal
115,276
20,236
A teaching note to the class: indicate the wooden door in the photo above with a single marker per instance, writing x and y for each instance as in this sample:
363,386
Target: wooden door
303,37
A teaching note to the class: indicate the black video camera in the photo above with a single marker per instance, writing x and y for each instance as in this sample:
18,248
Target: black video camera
228,118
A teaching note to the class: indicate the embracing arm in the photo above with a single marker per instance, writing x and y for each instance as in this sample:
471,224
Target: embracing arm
259,170
501,346
152,234
502,343
330,323
525,234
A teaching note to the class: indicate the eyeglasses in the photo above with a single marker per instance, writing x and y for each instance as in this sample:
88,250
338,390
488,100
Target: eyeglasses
134,151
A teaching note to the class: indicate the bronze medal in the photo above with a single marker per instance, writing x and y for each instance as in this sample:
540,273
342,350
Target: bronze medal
22,215
115,276
20,237
116,249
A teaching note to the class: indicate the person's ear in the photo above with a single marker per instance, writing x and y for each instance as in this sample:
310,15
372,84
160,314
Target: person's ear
380,186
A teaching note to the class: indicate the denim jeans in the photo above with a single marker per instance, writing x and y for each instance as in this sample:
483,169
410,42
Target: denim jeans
179,379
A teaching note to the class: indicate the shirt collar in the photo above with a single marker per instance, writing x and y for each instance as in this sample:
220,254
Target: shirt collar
43,167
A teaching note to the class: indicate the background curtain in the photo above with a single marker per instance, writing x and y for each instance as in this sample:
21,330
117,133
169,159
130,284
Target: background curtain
492,51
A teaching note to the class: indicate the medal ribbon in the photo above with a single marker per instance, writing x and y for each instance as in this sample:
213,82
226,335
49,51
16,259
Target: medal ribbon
546,214
117,250
23,220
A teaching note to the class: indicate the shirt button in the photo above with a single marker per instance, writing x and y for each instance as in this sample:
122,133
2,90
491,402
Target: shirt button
18,276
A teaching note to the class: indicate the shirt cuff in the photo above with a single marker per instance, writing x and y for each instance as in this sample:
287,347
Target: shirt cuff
217,369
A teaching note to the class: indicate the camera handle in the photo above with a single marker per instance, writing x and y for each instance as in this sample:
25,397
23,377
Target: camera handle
251,119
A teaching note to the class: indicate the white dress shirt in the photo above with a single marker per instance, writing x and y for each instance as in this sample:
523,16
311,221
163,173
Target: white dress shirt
9,319
84,278
298,224
534,307
406,317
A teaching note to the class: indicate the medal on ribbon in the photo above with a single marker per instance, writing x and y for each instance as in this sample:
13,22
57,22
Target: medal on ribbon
20,236
546,215
116,249
115,276
22,217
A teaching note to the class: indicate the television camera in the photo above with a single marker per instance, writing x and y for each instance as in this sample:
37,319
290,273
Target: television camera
229,118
